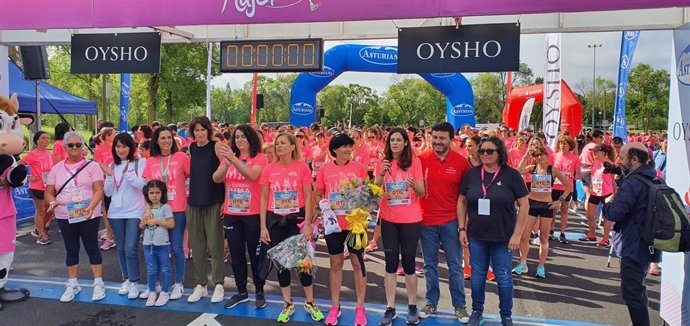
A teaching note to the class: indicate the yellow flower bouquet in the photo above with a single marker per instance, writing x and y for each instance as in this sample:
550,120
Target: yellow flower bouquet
362,197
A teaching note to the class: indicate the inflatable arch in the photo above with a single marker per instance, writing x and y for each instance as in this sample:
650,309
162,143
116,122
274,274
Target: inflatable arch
366,58
519,107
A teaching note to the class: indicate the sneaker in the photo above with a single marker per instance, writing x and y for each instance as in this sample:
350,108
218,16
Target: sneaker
506,321
162,299
419,270
236,299
70,291
34,233
551,236
124,288
133,292
520,269
589,238
98,291
360,316
372,246
536,241
561,238
400,271
218,294
541,272
313,310
604,243
43,240
388,316
476,319
428,310
468,272
199,292
412,316
107,244
462,315
151,301
333,315
144,294
533,235
177,291
260,301
286,313
490,275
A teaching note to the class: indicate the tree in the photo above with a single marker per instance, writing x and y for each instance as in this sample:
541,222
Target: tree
647,98
411,101
488,97
336,100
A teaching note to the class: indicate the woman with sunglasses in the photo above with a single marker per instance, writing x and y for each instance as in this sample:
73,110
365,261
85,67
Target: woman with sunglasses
494,226
601,187
402,178
360,152
40,163
569,164
320,153
518,150
74,192
541,207
375,147
305,150
241,170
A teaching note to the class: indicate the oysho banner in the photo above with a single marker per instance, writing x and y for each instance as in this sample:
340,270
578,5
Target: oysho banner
628,44
467,48
116,53
4,72
552,88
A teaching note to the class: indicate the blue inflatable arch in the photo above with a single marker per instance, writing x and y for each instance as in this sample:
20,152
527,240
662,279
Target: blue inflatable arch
366,58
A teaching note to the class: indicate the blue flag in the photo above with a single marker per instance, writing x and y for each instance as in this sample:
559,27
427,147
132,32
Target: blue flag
124,101
628,44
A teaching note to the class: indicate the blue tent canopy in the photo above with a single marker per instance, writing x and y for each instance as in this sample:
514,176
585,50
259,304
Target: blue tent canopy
65,102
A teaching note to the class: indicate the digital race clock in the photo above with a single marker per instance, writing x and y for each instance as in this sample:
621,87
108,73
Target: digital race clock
271,56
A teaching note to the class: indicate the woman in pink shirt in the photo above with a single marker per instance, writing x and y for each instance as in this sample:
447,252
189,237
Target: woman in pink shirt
40,162
286,190
103,155
241,170
602,187
569,164
305,150
360,152
374,145
400,173
59,152
320,153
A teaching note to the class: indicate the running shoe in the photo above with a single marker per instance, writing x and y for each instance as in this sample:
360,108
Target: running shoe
419,270
313,311
551,236
476,319
468,272
133,291
520,269
98,291
589,238
70,291
108,244
428,310
286,313
236,299
333,315
34,233
490,275
372,246
541,272
533,235
462,315
561,238
151,300
604,243
162,299
412,316
360,316
400,271
388,316
506,321
218,294
177,291
43,240
199,292
259,301
124,288
536,241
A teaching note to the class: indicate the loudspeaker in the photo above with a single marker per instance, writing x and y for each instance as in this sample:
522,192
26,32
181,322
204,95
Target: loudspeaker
35,61
322,112
259,101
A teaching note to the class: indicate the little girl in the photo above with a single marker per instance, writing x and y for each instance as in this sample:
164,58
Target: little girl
156,241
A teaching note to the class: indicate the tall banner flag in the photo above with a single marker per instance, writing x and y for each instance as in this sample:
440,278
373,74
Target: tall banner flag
208,80
552,88
125,80
675,281
4,72
628,44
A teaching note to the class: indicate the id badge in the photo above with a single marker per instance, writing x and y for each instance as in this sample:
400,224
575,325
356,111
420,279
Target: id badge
484,206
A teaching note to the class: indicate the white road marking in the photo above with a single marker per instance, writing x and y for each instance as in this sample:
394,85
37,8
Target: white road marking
205,320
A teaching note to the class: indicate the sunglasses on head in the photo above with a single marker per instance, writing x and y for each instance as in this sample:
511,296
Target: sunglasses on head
74,145
488,151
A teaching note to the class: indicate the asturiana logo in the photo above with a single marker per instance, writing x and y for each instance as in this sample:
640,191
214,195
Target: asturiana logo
443,75
683,67
380,55
302,108
327,72
629,35
462,110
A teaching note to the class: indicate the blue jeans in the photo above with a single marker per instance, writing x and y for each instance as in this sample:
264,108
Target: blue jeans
127,232
177,245
501,260
158,261
431,238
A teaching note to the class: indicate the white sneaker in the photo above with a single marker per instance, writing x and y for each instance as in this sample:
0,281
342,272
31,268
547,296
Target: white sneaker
199,292
218,294
133,292
70,291
124,288
98,292
144,294
151,301
177,291
162,299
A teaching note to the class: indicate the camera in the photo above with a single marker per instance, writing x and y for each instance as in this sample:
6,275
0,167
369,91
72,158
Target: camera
611,168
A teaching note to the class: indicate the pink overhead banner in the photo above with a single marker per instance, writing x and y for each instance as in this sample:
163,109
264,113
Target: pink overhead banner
35,14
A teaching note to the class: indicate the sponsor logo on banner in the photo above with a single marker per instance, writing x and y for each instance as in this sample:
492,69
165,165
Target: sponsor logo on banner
631,35
683,65
301,108
248,7
625,61
462,110
116,53
443,75
552,89
379,55
327,72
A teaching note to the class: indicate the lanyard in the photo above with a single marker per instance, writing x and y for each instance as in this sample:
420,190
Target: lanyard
122,176
76,177
485,188
164,172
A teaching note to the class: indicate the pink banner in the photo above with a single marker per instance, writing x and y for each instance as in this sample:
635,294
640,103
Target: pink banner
34,14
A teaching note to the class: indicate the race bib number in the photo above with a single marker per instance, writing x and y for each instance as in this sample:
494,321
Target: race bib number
597,186
239,201
541,183
397,193
338,204
76,211
285,202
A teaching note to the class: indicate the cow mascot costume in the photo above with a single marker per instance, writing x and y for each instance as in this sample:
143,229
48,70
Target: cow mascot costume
11,176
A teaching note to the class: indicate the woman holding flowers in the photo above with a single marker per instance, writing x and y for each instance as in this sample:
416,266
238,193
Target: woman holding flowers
401,176
328,185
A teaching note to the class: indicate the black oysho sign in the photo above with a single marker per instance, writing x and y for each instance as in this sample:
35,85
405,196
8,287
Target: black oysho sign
116,53
468,48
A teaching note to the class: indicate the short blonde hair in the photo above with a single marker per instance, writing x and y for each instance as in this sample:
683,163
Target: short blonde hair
293,141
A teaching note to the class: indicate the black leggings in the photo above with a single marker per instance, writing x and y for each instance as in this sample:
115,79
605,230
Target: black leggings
281,228
400,239
88,232
242,233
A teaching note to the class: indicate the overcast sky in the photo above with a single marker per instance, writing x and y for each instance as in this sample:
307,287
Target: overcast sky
653,48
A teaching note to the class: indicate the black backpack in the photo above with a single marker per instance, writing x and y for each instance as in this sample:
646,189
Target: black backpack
666,226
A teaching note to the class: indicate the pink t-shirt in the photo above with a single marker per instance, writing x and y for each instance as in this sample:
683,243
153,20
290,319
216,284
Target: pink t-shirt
329,180
243,197
400,203
320,154
374,151
602,183
306,153
587,156
361,156
178,172
79,189
59,151
285,186
40,162
515,155
568,164
103,154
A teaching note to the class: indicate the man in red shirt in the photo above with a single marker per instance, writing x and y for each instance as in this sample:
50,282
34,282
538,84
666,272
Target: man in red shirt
443,172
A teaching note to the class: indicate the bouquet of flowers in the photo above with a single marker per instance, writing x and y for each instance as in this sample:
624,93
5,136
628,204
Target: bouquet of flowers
294,252
361,196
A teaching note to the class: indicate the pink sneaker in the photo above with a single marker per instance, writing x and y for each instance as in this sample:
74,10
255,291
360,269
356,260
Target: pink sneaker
107,244
400,271
333,315
360,316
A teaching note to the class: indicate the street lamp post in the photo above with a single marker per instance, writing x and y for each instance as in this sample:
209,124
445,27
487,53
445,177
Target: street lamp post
594,77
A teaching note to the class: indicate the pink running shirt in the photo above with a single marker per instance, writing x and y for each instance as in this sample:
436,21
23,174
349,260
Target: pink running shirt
243,197
177,174
400,203
329,180
40,162
285,186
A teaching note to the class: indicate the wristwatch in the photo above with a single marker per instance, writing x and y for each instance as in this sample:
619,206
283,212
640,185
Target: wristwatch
561,199
461,229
